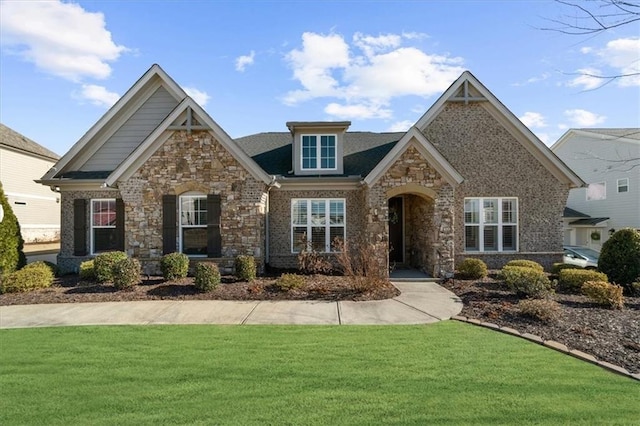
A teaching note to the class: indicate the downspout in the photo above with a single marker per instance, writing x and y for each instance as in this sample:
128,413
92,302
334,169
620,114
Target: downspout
272,184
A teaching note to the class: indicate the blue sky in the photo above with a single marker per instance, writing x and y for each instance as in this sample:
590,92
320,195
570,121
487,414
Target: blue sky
255,65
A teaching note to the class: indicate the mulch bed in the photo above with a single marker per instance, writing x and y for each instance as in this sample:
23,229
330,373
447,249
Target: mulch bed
609,335
70,289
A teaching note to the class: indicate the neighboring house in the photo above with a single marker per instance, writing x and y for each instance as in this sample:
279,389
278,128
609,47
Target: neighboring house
36,207
608,160
156,174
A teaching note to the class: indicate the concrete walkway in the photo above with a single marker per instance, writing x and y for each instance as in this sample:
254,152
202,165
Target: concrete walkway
420,303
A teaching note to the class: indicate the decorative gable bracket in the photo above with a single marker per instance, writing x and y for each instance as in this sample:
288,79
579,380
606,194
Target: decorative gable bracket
188,121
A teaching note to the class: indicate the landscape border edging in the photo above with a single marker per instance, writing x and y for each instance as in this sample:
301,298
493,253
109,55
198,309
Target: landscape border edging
551,344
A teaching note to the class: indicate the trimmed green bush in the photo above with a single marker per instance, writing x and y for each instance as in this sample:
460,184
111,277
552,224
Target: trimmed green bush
545,310
527,281
245,267
620,258
104,262
571,280
288,282
472,269
526,264
606,294
12,255
33,276
557,267
126,273
207,276
174,266
54,268
87,271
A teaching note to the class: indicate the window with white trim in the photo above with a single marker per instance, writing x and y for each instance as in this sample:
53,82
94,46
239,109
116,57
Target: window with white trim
490,224
103,225
623,185
318,152
193,224
319,222
597,191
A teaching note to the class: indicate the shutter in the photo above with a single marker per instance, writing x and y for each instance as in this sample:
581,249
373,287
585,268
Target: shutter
80,227
214,239
168,224
119,224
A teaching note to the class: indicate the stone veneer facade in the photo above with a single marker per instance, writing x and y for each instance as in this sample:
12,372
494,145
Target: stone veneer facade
494,164
429,225
187,162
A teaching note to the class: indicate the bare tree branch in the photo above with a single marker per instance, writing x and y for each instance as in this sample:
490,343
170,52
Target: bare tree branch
602,16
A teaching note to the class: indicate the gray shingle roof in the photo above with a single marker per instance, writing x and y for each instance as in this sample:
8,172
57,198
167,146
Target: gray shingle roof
630,133
590,221
13,139
362,151
569,212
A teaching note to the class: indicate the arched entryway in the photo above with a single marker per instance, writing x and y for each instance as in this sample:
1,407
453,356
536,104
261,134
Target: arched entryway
411,229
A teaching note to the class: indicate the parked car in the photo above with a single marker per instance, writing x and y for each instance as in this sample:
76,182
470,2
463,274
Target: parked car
581,256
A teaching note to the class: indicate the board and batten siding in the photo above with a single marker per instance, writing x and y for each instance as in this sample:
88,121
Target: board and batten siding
584,155
36,206
135,130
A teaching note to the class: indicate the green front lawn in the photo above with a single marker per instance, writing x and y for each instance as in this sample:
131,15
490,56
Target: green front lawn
447,372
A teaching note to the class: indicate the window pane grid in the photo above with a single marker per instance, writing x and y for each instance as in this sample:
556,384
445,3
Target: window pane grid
103,225
491,224
323,152
193,224
324,223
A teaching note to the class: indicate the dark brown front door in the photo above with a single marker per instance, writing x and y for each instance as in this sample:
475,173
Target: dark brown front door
396,230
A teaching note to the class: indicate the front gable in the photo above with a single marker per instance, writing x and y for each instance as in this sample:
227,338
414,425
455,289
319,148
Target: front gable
469,94
133,129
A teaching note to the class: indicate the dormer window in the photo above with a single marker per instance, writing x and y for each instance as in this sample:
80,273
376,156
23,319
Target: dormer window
318,152
318,147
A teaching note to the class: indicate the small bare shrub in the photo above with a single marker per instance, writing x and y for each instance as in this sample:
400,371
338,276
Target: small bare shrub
544,310
604,293
472,269
288,282
363,263
525,263
312,262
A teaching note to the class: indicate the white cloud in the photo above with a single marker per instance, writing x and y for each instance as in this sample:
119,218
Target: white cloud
583,118
62,39
357,111
313,66
588,79
619,57
401,126
624,56
534,79
99,95
242,62
367,74
199,96
533,119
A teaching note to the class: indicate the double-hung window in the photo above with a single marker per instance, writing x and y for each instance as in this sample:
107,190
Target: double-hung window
318,152
193,224
103,225
623,185
318,222
491,224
